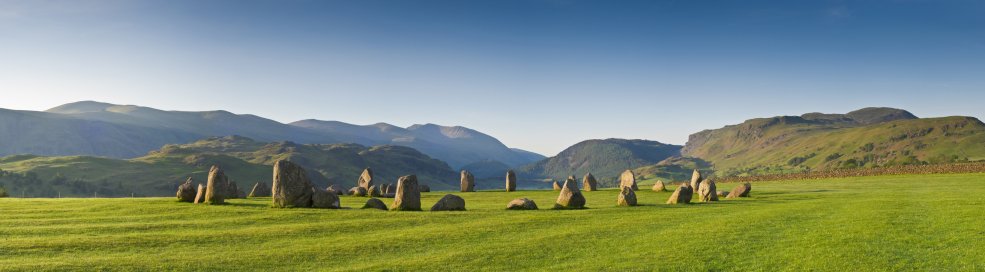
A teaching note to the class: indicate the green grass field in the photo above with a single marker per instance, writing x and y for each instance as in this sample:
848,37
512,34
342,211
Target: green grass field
922,223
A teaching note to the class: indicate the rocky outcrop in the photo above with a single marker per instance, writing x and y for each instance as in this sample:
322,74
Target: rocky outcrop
365,179
407,197
467,181
291,185
186,191
588,183
510,181
682,195
570,197
521,204
628,179
449,202
740,191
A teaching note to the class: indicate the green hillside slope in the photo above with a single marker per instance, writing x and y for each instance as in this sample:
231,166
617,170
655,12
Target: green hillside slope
246,161
605,159
875,138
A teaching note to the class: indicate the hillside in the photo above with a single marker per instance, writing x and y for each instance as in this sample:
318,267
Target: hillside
866,138
246,161
605,159
125,131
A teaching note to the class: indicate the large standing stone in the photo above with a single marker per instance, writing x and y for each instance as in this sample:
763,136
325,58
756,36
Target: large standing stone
696,180
358,191
213,193
707,191
557,186
627,197
740,191
589,183
521,204
291,185
628,179
659,186
570,197
260,189
449,202
324,199
365,179
200,194
467,181
374,203
186,191
337,189
407,197
682,195
510,181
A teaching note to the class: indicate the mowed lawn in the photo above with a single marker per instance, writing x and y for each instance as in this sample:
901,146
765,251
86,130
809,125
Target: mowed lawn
921,223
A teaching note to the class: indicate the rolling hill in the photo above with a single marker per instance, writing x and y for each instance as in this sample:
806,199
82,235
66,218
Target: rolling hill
870,137
246,161
605,159
124,131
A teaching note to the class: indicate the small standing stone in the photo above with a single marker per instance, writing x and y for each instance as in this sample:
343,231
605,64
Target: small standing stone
200,195
557,186
696,180
374,203
186,191
291,186
589,183
324,199
570,197
510,181
707,191
682,195
628,179
627,197
521,204
740,191
467,181
365,179
217,178
449,202
659,186
357,191
425,188
407,198
260,189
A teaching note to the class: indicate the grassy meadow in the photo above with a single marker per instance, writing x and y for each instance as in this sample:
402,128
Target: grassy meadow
922,223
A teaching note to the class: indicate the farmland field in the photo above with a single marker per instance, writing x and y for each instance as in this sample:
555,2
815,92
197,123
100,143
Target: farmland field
920,222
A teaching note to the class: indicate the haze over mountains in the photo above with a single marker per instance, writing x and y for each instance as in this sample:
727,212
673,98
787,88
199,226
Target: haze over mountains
125,131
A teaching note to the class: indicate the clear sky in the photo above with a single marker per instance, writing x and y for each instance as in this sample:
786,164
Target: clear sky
538,75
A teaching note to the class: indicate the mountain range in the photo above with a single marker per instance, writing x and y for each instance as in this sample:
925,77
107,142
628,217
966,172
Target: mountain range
125,131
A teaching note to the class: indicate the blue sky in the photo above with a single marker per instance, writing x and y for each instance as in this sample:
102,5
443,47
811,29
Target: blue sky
538,75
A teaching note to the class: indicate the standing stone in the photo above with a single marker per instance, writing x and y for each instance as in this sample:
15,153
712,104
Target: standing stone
365,179
324,199
510,181
186,191
467,181
358,191
407,197
659,186
627,197
557,186
260,189
589,183
521,204
390,189
627,179
696,180
337,189
374,203
570,197
682,195
213,193
229,189
291,185
740,191
424,188
707,191
374,191
200,195
449,202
